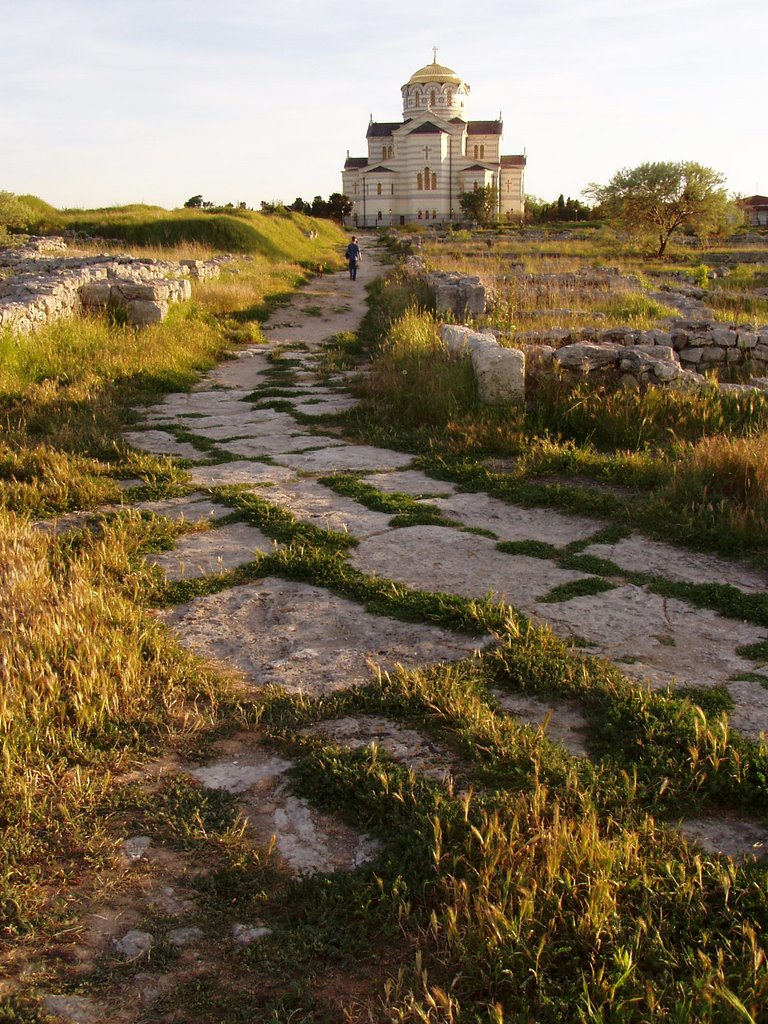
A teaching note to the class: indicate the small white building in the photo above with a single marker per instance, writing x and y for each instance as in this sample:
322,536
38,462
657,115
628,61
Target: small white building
416,168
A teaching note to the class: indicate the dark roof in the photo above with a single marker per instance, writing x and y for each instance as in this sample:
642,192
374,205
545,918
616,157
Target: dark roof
458,120
475,167
485,127
752,201
380,169
513,161
376,128
428,128
355,161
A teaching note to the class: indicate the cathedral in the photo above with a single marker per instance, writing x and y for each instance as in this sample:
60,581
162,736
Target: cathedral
417,168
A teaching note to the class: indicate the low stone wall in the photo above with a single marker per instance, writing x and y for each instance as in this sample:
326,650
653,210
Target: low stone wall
37,287
499,372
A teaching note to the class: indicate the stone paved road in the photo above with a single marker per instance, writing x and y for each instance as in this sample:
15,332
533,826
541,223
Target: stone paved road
307,639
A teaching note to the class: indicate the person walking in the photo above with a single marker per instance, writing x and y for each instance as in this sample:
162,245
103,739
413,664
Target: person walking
353,257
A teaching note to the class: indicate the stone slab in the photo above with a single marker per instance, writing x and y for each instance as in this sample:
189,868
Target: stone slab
729,837
306,840
158,442
562,721
439,558
240,472
410,481
212,551
637,553
192,507
511,522
406,746
348,457
328,407
304,638
246,371
276,445
660,639
313,503
246,423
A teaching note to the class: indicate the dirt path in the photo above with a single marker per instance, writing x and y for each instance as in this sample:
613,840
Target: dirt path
307,639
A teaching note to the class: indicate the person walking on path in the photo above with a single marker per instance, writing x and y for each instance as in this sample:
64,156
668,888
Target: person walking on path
353,257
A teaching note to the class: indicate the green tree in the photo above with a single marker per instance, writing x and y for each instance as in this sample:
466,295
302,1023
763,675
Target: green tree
339,206
194,202
482,204
657,199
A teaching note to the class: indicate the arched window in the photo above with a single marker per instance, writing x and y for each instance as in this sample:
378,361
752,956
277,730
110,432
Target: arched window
434,182
476,153
383,152
426,215
474,186
419,182
378,188
390,152
420,215
391,190
434,215
380,215
449,97
426,178
432,98
482,152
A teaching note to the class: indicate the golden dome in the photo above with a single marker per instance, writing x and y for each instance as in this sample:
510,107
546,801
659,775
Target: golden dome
434,73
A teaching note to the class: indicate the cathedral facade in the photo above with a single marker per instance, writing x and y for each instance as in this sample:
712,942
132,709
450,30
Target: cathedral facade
416,168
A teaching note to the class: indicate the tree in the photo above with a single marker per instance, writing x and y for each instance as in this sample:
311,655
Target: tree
194,202
339,206
657,199
482,204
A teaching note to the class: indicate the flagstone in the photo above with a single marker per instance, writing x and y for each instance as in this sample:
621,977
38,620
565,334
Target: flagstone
439,558
212,551
304,638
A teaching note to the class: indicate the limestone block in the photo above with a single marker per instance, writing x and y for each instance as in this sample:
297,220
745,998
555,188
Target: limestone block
692,355
95,293
723,337
746,339
715,354
500,374
761,353
586,356
666,371
142,312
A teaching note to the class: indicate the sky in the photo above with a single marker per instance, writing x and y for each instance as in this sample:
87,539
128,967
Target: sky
107,102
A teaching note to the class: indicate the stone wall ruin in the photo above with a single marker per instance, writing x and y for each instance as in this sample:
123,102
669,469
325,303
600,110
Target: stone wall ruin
40,282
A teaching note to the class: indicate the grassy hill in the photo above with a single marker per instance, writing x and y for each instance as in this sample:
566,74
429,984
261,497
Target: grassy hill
277,236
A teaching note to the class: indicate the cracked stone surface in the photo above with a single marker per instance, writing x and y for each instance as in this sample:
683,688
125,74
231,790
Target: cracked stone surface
439,558
278,444
240,472
410,481
346,457
731,837
212,551
193,508
407,746
562,721
312,502
510,522
159,442
304,638
637,553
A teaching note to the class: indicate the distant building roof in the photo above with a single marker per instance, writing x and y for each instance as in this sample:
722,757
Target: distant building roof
485,127
377,128
475,167
428,128
514,161
355,162
379,169
753,201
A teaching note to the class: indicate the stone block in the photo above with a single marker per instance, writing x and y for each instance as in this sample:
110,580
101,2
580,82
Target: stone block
500,374
723,337
586,357
95,293
142,312
747,339
715,354
691,355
